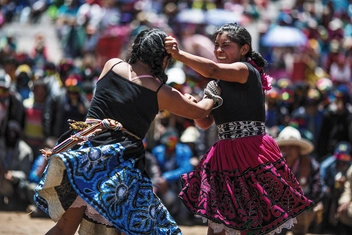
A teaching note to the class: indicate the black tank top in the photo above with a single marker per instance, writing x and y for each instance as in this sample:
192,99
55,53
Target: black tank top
118,98
242,102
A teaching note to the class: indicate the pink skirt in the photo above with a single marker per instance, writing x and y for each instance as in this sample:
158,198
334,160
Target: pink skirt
244,186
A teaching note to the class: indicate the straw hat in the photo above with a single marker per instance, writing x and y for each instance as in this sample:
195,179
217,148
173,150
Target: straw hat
291,136
190,135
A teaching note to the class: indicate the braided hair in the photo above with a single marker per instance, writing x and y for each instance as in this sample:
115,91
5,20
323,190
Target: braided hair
148,47
238,34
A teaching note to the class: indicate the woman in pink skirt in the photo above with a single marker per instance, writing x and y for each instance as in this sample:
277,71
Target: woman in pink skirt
242,185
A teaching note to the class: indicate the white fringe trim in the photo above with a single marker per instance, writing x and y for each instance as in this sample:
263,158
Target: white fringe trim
218,228
90,211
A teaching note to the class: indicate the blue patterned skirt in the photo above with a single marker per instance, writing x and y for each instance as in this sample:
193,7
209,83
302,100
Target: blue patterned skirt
108,181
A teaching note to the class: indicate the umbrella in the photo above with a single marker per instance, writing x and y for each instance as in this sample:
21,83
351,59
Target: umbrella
219,17
194,16
284,36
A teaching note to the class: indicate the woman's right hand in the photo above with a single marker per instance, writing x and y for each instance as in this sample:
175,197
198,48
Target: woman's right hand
171,45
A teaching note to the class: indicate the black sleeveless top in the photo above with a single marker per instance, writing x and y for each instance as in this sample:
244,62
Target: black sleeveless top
118,98
242,102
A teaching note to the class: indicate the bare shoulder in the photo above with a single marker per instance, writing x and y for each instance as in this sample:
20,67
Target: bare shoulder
112,62
108,65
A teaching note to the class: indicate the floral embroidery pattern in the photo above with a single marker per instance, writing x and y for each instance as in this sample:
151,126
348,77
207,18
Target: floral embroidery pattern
250,201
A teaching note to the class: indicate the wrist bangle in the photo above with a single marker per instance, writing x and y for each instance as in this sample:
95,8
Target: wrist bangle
217,99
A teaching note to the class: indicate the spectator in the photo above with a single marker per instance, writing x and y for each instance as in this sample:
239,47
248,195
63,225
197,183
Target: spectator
10,64
39,52
311,113
152,167
23,79
174,159
70,104
52,77
11,106
336,121
344,212
16,159
296,151
68,32
34,106
340,70
276,114
190,136
88,17
333,171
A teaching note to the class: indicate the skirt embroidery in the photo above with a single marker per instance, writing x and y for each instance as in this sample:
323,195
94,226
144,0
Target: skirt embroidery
244,186
111,185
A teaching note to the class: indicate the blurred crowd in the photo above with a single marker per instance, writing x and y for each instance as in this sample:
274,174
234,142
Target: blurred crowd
311,91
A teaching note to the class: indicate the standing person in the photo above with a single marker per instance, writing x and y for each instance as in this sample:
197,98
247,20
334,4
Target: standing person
102,185
333,171
11,106
242,184
297,150
71,103
16,158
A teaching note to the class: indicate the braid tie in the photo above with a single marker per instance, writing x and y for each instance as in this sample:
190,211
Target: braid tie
111,124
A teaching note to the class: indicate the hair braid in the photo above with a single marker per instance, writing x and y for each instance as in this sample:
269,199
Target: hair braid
148,47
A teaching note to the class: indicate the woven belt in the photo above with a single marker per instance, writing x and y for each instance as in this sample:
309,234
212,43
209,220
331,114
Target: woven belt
88,129
233,130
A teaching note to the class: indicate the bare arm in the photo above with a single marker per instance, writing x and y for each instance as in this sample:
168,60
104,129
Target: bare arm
234,72
174,101
204,123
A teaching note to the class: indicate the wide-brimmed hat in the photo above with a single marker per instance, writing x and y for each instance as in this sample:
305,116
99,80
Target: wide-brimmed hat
291,136
190,135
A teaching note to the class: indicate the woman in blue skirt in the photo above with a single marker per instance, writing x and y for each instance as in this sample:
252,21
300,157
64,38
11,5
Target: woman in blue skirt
95,178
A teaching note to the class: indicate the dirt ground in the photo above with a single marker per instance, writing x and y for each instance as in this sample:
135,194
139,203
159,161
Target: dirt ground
20,223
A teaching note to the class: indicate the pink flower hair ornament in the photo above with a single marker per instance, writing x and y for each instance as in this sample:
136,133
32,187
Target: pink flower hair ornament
266,79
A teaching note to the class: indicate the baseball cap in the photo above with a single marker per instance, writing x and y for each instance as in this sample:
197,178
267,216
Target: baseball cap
343,151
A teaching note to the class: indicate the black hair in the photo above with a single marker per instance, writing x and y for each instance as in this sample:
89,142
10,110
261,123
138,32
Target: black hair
238,34
148,47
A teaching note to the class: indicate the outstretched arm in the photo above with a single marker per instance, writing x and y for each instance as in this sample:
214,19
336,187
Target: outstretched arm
183,105
233,72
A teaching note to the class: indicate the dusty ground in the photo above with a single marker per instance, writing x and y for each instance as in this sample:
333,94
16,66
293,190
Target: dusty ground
20,223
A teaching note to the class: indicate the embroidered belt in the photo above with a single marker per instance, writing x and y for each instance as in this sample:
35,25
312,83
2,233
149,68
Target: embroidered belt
233,130
86,129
